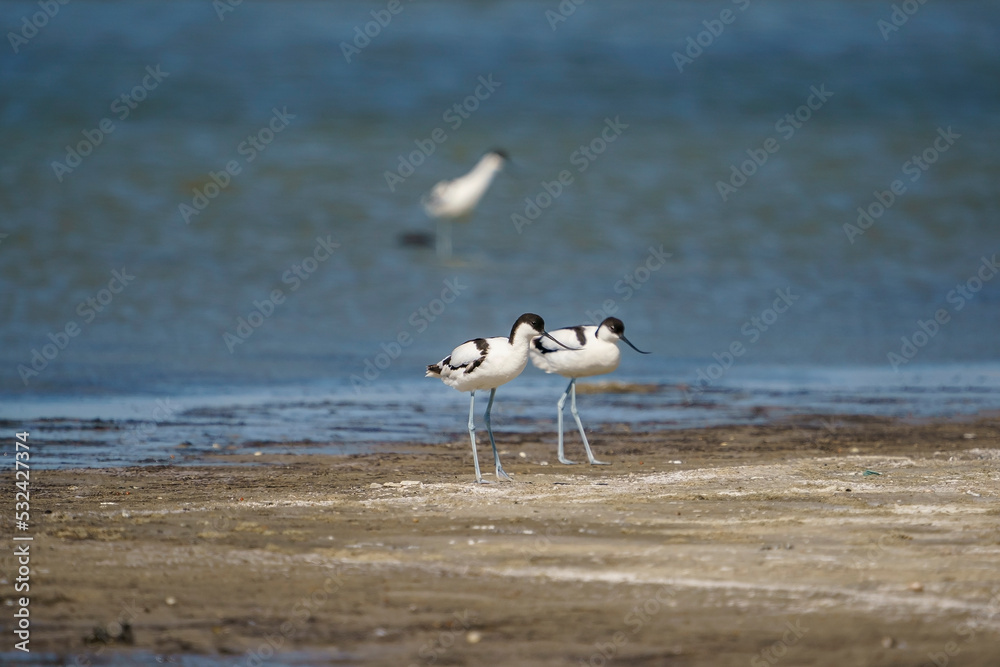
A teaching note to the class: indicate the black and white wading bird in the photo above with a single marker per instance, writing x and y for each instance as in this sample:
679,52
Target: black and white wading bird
455,200
596,353
487,363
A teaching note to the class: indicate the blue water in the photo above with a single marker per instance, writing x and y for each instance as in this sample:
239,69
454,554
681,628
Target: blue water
641,229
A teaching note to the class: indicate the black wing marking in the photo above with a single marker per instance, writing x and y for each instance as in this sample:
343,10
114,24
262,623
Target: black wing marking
483,346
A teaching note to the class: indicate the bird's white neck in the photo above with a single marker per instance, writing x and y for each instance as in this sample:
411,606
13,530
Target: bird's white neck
484,171
523,336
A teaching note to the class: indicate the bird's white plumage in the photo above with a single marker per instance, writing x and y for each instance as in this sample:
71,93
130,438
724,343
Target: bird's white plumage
595,352
469,352
487,363
457,198
484,364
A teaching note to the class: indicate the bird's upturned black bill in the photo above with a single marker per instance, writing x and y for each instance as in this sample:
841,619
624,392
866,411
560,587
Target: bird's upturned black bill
629,343
549,336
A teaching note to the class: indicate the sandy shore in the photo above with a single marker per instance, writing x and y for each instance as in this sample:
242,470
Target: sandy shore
750,545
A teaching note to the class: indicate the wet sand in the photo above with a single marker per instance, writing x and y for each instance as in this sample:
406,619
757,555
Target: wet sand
749,545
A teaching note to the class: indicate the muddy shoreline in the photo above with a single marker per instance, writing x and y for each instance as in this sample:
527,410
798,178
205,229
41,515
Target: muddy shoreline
813,541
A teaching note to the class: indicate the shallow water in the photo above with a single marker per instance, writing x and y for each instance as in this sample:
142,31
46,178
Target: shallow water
322,419
640,231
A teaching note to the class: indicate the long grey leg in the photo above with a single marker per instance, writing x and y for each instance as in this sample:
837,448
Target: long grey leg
444,238
559,406
579,425
472,435
489,429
